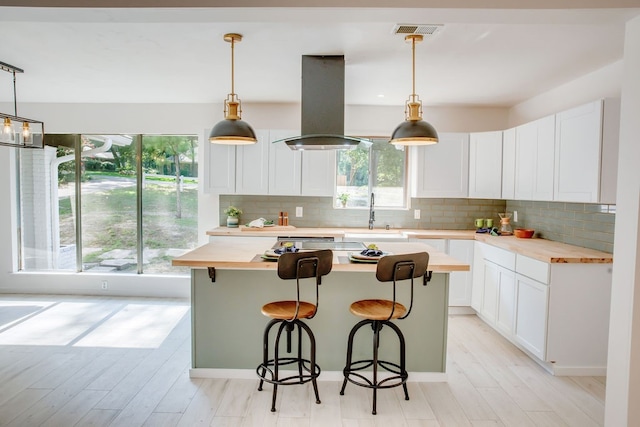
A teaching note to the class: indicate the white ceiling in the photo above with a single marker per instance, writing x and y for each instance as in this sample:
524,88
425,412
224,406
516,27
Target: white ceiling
481,56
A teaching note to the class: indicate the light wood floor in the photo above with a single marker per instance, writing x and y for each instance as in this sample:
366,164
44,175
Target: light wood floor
89,361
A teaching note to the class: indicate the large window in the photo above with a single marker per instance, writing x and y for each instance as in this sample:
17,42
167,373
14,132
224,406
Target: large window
379,169
109,203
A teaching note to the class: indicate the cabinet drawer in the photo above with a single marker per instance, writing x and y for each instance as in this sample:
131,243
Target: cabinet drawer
499,256
532,268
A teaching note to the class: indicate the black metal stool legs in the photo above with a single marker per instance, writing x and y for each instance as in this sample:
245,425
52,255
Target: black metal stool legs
352,368
307,370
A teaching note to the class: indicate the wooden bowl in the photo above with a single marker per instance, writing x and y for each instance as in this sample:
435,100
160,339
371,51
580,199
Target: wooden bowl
523,233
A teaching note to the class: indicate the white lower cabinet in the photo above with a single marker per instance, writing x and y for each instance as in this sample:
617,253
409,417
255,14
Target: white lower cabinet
498,299
505,316
489,308
557,313
531,323
460,282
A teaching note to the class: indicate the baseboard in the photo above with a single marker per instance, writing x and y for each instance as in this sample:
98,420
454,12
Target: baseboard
250,374
579,371
454,309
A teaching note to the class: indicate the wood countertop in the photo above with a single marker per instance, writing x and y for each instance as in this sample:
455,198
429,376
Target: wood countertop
540,249
245,255
340,232
547,250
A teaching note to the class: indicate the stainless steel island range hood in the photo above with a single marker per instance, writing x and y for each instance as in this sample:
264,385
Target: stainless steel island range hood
322,123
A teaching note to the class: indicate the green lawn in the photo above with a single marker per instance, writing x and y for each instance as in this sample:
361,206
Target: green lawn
109,222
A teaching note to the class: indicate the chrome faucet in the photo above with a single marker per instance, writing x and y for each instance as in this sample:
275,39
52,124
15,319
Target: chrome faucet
372,213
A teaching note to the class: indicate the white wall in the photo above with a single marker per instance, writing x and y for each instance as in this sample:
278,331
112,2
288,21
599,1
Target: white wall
623,371
602,83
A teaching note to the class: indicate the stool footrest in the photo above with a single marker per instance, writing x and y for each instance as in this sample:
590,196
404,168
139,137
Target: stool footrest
351,373
266,373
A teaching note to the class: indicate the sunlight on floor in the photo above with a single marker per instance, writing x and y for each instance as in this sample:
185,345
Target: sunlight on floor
88,324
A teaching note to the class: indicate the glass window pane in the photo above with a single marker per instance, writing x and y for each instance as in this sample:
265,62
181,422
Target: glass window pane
380,168
388,174
169,200
47,207
353,177
108,208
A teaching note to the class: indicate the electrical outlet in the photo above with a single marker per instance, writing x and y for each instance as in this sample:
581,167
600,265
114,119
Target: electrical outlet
298,211
515,216
105,285
416,214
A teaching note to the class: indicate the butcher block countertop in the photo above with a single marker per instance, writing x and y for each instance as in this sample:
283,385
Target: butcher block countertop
547,250
340,232
540,249
245,255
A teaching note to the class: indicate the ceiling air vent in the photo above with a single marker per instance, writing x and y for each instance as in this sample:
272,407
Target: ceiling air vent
425,29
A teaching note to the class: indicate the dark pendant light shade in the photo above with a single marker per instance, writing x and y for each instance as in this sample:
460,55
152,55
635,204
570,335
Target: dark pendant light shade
232,130
414,130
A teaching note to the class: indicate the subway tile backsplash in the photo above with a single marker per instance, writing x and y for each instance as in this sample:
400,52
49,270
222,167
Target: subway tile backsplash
450,214
580,224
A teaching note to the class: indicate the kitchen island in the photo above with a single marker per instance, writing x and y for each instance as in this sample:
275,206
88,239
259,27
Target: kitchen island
227,325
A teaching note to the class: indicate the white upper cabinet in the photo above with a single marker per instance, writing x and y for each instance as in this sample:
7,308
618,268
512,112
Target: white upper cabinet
318,173
284,165
535,150
252,166
220,167
509,164
441,170
485,165
586,153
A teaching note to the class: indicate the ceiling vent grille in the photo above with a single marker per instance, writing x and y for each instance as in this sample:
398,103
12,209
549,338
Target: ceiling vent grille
424,29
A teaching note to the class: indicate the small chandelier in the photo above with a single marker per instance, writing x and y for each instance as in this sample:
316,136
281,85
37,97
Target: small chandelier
232,130
414,130
28,136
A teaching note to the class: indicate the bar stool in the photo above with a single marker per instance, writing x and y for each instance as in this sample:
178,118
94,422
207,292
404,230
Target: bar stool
378,313
288,315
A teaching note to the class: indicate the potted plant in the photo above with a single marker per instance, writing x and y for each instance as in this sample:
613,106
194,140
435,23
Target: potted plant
233,216
343,197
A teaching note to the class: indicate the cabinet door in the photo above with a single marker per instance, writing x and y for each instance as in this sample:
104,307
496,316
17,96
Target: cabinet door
460,282
252,166
442,170
505,319
485,165
438,244
531,315
577,160
477,288
284,165
318,173
491,288
509,164
535,152
220,168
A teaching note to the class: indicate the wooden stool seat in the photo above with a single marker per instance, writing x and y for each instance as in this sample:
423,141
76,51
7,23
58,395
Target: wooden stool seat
286,310
377,309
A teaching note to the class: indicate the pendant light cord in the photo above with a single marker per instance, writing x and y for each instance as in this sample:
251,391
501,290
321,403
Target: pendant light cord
413,59
232,67
15,99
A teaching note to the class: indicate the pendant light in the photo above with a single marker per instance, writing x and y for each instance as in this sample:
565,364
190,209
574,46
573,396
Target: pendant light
31,133
414,130
232,130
